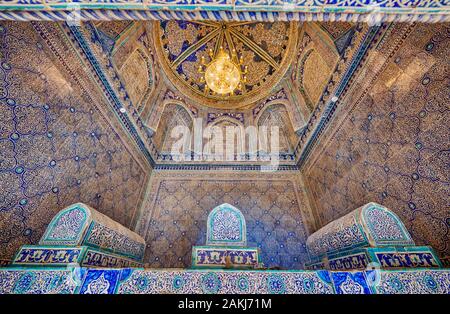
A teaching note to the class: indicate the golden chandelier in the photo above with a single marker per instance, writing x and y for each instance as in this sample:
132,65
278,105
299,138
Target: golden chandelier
224,74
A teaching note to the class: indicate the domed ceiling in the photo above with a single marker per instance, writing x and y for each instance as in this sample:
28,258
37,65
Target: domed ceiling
266,48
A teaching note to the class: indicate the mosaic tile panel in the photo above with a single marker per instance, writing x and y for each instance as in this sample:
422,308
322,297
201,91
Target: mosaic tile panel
336,30
79,224
68,226
413,282
353,260
100,258
32,255
342,234
218,282
391,146
398,257
350,283
213,256
50,281
58,143
47,255
151,281
226,226
419,256
99,281
384,227
371,225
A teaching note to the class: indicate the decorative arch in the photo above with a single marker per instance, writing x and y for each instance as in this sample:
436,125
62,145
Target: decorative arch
169,102
284,102
223,122
173,114
228,119
277,114
226,226
162,98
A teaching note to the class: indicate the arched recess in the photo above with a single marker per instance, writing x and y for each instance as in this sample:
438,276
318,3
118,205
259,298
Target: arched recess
174,114
295,118
160,105
277,114
138,76
238,137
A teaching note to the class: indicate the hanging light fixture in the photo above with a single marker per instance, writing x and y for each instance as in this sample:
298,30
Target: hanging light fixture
223,75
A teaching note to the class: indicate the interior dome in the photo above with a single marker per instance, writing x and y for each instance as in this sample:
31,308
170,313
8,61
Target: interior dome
266,48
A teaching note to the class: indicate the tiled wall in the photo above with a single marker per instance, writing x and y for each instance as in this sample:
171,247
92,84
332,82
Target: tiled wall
185,281
59,144
391,142
273,205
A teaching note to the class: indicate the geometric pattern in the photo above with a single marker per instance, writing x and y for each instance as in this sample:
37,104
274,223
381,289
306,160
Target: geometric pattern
174,218
226,226
371,225
384,227
78,224
56,146
392,147
67,227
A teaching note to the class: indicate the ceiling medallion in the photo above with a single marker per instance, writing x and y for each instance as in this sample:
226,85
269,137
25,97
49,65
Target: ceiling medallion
224,74
225,65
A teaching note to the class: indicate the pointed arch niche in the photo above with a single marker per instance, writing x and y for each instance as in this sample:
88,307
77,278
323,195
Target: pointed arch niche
277,114
174,114
237,137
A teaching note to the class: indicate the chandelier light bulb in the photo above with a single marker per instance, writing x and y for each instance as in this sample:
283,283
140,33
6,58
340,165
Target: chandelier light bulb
222,75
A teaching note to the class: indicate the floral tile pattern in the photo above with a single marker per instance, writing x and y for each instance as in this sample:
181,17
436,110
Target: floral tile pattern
56,147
